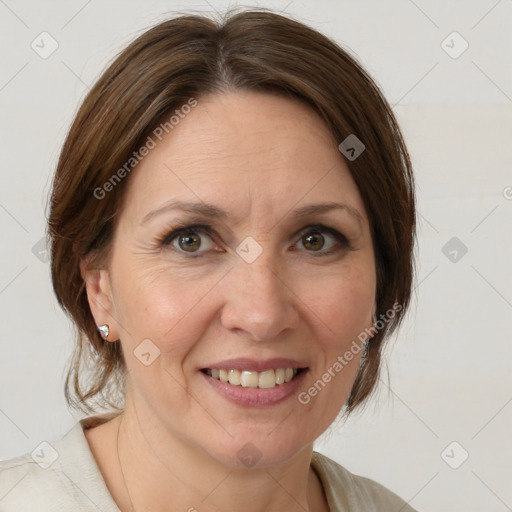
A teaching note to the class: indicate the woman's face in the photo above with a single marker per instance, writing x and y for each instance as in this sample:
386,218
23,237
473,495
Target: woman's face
273,268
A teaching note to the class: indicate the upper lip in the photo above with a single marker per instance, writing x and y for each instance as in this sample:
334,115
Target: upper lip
256,365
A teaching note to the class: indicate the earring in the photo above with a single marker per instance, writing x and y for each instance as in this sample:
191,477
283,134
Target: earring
104,329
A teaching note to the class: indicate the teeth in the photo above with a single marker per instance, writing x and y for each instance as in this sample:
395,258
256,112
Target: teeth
248,379
280,373
233,377
267,379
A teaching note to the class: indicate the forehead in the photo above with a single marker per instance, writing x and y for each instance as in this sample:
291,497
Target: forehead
252,152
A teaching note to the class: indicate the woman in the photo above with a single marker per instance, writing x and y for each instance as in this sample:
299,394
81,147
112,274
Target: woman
232,226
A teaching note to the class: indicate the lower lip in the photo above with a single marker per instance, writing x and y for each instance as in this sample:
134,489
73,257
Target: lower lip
256,397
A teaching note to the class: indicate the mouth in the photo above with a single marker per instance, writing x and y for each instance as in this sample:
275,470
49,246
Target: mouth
255,383
266,379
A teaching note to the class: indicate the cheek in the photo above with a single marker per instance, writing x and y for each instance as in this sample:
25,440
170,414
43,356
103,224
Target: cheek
350,308
341,304
161,315
156,302
341,313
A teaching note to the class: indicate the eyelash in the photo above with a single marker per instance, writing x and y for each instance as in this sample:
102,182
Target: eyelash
342,241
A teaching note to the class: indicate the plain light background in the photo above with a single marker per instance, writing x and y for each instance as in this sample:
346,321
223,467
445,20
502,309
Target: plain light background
449,366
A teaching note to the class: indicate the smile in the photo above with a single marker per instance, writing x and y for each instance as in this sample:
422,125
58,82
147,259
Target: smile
256,384
266,379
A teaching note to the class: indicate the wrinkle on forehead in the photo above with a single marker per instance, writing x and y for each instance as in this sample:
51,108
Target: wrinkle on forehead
255,154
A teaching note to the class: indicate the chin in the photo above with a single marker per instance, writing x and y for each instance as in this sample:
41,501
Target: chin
254,448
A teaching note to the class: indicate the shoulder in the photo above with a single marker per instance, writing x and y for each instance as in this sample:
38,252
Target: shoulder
27,485
346,491
57,476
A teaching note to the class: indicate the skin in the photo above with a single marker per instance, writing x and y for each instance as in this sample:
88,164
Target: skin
259,157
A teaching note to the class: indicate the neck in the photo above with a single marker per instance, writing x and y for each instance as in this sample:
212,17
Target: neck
163,473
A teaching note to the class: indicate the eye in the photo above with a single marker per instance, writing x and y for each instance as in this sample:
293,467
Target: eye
322,239
191,240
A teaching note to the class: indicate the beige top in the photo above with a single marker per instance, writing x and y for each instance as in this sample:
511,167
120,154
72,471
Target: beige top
64,477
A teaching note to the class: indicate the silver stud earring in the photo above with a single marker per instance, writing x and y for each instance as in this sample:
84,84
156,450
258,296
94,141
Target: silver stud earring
104,329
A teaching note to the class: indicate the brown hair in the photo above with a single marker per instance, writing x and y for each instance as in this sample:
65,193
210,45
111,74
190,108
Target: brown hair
191,56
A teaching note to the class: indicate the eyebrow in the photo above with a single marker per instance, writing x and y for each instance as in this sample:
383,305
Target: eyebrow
212,211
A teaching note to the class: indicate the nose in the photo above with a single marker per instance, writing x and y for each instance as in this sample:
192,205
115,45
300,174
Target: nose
259,304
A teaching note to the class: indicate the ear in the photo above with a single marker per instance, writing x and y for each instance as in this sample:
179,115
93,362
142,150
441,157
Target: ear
99,294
